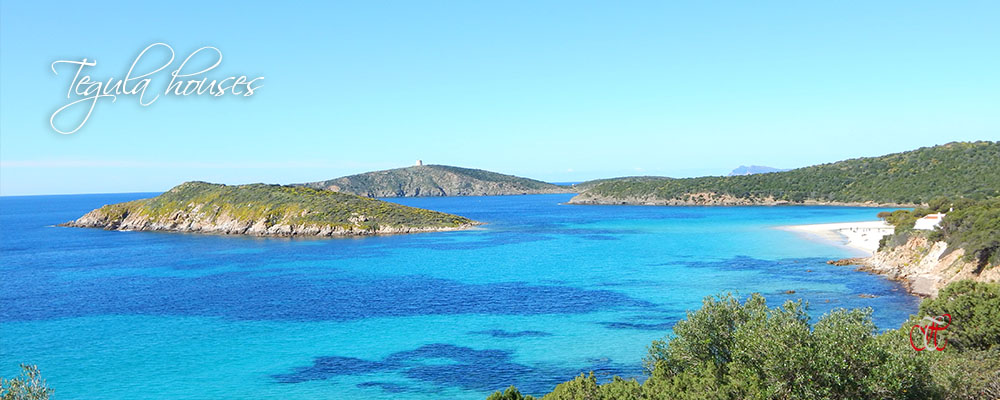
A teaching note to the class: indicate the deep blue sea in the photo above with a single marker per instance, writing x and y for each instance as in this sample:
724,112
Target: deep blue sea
543,292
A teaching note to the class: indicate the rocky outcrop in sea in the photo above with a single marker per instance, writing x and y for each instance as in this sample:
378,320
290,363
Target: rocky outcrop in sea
225,224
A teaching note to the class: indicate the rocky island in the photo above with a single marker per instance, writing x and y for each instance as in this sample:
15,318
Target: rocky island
903,179
436,180
267,210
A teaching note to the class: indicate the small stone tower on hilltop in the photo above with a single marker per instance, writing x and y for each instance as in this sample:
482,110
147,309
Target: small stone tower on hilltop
420,162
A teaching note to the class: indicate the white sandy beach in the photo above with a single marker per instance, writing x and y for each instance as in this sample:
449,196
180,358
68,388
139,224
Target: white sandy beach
863,235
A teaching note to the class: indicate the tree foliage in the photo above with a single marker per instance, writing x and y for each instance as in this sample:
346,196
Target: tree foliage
975,312
748,350
975,227
745,350
511,393
27,386
972,225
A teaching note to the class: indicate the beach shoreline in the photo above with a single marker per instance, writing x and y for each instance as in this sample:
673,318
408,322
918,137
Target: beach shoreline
862,236
922,265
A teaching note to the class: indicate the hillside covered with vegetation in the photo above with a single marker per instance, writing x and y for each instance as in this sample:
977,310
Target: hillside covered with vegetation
436,180
267,210
971,225
745,350
959,169
587,185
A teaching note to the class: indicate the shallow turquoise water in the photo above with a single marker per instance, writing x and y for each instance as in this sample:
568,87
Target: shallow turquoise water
541,293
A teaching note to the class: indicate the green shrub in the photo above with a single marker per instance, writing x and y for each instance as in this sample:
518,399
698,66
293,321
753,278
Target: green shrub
510,394
730,350
972,225
973,374
975,314
27,386
748,350
975,227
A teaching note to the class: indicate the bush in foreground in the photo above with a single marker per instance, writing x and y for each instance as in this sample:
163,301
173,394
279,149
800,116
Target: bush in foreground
745,350
28,386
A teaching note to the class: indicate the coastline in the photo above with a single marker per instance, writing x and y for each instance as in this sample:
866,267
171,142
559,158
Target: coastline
923,266
713,199
279,230
863,236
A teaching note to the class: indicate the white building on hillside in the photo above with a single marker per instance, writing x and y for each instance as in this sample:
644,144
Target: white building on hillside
928,222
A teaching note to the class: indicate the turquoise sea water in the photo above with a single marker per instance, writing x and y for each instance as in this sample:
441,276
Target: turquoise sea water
543,292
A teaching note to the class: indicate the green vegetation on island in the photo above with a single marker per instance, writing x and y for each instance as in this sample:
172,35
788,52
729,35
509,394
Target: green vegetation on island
959,169
745,350
436,180
267,210
972,225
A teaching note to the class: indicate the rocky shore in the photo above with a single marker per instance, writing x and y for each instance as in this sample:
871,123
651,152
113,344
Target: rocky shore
229,225
923,266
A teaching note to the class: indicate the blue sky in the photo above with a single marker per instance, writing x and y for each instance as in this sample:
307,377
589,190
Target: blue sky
553,90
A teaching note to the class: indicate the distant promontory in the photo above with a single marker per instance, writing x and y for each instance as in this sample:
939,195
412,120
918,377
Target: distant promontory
965,169
267,210
436,180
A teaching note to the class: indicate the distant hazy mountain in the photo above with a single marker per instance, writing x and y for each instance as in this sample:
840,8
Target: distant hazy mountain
436,180
754,169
